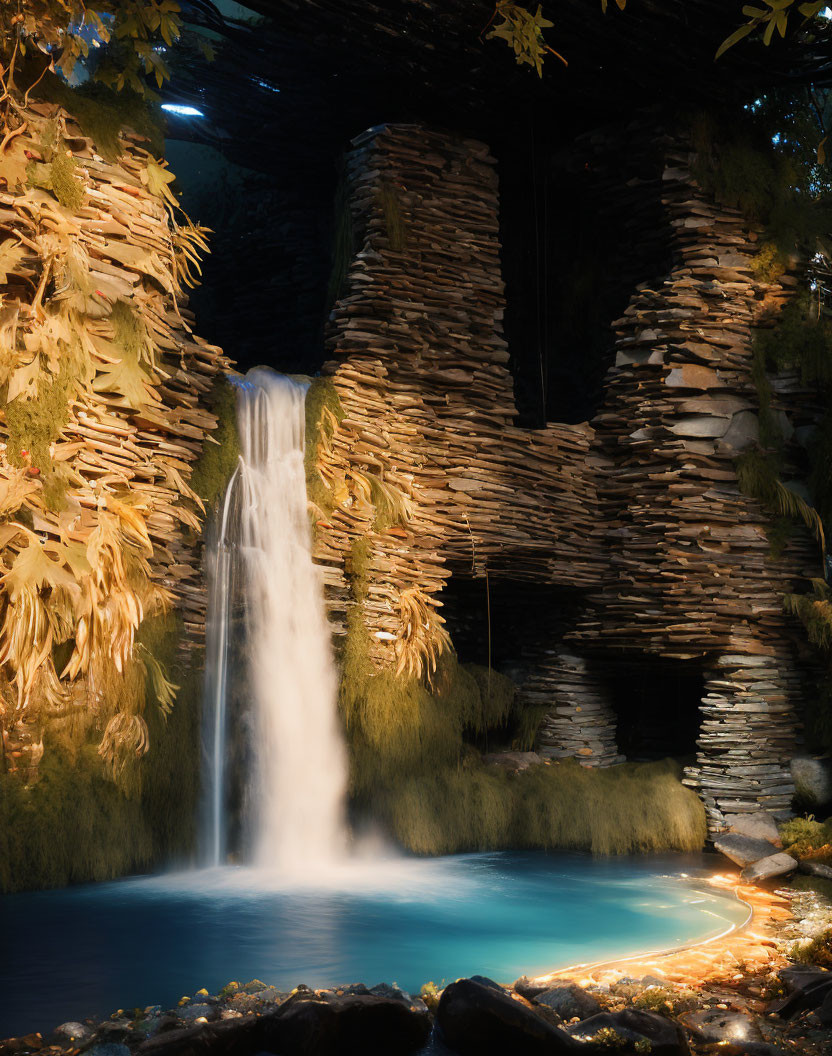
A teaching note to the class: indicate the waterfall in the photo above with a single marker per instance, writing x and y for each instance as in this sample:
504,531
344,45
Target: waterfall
293,788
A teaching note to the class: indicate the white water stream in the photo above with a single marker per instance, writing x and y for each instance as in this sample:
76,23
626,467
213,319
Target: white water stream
294,788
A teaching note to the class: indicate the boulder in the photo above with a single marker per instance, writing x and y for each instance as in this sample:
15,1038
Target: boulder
528,989
71,1032
569,1001
665,1037
812,781
744,850
766,868
815,868
477,1020
759,826
365,1023
807,993
797,976
824,1010
307,1025
720,1026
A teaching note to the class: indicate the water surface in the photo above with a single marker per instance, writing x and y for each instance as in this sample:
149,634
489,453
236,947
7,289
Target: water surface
86,951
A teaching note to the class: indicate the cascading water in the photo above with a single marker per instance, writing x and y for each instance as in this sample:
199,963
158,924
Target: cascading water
294,788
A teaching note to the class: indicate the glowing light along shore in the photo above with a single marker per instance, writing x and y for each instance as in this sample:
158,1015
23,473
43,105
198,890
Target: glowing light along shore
294,788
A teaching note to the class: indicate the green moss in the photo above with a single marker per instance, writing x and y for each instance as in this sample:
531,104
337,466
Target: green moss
807,838
34,425
801,340
344,246
75,824
737,164
633,808
769,263
58,176
322,396
778,533
221,449
496,693
817,951
103,114
390,201
414,769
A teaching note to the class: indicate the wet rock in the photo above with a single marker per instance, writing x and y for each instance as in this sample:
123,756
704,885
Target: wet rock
759,826
807,993
70,1032
304,1024
109,1048
824,1010
744,850
363,1023
795,976
569,1001
815,869
528,989
483,980
765,868
191,1012
665,1037
812,781
477,1020
722,1026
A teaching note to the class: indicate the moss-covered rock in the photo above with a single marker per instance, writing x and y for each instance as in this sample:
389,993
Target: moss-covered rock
221,451
323,413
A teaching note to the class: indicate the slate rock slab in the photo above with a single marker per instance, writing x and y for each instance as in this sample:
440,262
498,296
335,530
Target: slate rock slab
744,850
477,1020
774,865
759,826
666,1037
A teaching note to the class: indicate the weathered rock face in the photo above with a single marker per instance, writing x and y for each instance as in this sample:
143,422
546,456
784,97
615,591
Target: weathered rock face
743,849
642,510
766,868
690,574
759,826
477,1020
664,1037
426,463
812,781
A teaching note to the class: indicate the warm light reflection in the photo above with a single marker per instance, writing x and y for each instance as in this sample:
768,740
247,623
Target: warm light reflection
752,945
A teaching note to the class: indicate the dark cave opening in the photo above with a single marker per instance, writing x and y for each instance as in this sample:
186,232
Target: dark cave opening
510,623
656,704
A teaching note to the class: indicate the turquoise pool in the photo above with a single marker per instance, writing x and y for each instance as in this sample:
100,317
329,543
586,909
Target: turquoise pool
86,951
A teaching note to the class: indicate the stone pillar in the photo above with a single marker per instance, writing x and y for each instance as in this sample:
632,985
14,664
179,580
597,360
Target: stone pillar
581,722
748,733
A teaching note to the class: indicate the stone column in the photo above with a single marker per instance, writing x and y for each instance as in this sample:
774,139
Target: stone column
581,723
748,733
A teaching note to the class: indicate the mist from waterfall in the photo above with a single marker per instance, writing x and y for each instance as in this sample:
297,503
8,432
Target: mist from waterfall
259,561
